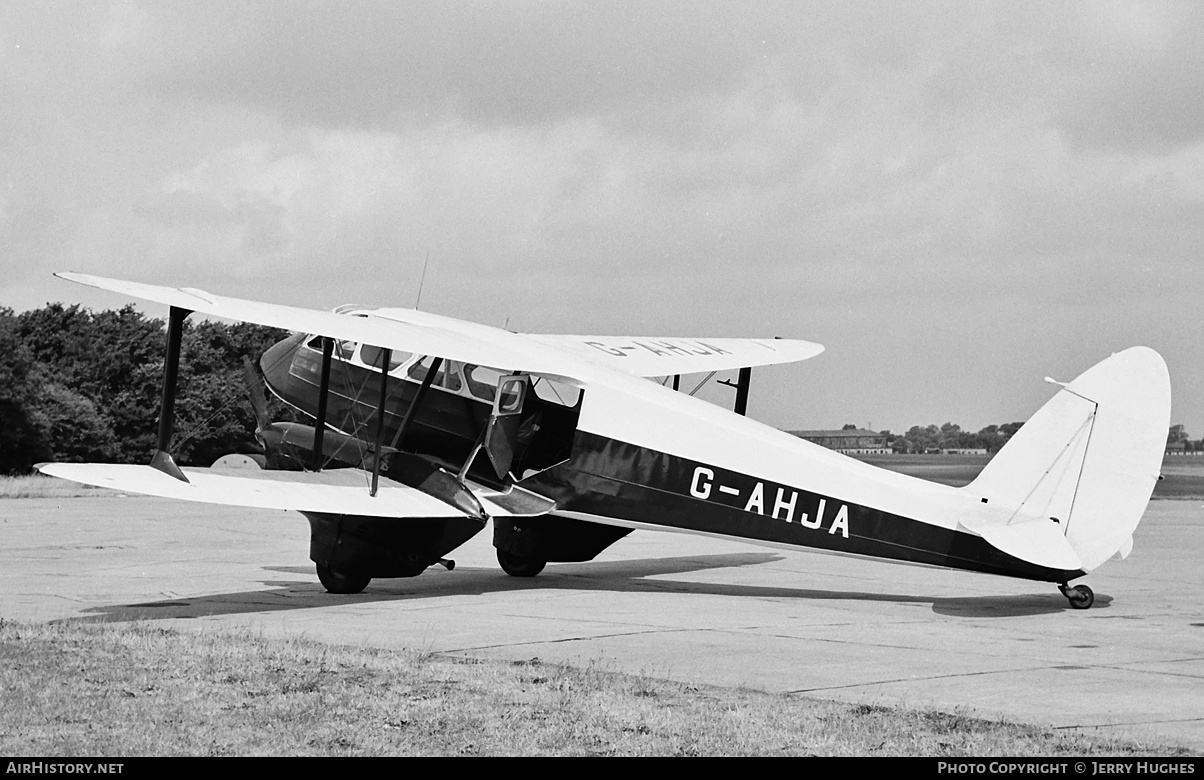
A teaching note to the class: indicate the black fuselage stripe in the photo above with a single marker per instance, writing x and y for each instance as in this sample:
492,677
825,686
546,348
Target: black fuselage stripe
610,478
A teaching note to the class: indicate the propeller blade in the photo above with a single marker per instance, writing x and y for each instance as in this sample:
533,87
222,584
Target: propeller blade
257,392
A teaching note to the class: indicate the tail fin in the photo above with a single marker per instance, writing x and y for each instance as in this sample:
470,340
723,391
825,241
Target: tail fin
1090,457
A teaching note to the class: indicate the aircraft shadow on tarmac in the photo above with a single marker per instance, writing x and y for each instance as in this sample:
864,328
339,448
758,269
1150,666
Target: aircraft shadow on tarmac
628,576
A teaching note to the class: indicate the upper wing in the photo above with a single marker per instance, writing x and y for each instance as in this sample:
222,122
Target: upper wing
426,334
655,356
584,359
431,334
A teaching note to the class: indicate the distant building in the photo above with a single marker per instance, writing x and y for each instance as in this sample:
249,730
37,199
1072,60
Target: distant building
856,441
1181,448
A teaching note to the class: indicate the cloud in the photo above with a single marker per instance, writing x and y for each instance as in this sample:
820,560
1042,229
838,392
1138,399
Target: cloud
375,63
940,176
1131,74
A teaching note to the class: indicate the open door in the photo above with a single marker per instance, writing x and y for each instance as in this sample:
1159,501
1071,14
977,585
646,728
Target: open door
502,429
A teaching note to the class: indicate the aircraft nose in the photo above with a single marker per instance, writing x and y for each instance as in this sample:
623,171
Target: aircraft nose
278,360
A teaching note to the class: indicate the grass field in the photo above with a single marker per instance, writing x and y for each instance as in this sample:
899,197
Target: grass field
41,486
87,689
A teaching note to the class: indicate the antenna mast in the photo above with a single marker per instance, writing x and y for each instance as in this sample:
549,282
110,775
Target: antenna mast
422,281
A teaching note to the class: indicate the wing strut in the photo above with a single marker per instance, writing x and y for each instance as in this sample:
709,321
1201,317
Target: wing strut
162,460
385,357
409,415
742,383
323,390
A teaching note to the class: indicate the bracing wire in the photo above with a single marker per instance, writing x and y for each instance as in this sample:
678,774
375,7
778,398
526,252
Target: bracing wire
705,379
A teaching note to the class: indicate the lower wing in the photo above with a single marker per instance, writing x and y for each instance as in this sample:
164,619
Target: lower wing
336,491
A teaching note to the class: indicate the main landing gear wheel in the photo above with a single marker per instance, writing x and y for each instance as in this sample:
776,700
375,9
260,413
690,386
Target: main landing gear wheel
520,566
1080,596
337,582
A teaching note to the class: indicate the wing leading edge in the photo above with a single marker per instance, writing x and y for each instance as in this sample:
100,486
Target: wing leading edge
338,491
648,356
430,334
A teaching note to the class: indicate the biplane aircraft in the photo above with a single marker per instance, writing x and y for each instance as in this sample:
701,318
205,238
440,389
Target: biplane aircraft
566,446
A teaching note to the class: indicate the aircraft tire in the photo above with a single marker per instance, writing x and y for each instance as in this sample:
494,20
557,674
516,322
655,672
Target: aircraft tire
1080,597
345,584
520,566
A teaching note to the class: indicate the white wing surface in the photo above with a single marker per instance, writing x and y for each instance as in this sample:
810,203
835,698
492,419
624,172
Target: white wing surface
427,335
660,356
430,334
337,491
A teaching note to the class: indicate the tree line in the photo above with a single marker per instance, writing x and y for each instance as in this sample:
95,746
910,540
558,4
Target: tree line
950,436
1178,433
78,385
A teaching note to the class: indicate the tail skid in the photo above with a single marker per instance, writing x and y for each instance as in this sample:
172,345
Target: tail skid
1084,466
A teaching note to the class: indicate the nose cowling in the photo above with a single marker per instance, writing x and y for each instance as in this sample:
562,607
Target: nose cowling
277,361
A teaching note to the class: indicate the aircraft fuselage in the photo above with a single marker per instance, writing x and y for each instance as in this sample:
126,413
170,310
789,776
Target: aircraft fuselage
597,478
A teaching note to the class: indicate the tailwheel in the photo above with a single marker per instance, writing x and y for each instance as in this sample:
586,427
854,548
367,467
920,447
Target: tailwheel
520,566
338,582
1080,596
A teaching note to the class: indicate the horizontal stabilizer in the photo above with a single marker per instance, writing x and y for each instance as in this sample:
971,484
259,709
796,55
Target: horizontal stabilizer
1040,542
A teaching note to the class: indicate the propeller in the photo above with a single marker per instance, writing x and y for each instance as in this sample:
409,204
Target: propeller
257,395
257,392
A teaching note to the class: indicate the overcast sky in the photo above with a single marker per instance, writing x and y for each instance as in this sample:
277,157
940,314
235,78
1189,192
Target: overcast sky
957,199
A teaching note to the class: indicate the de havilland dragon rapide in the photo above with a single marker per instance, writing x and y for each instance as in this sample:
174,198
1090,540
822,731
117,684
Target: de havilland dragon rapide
427,428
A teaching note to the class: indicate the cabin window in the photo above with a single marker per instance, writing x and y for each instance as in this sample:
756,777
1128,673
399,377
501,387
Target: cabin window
556,392
372,356
510,398
345,349
447,377
482,381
